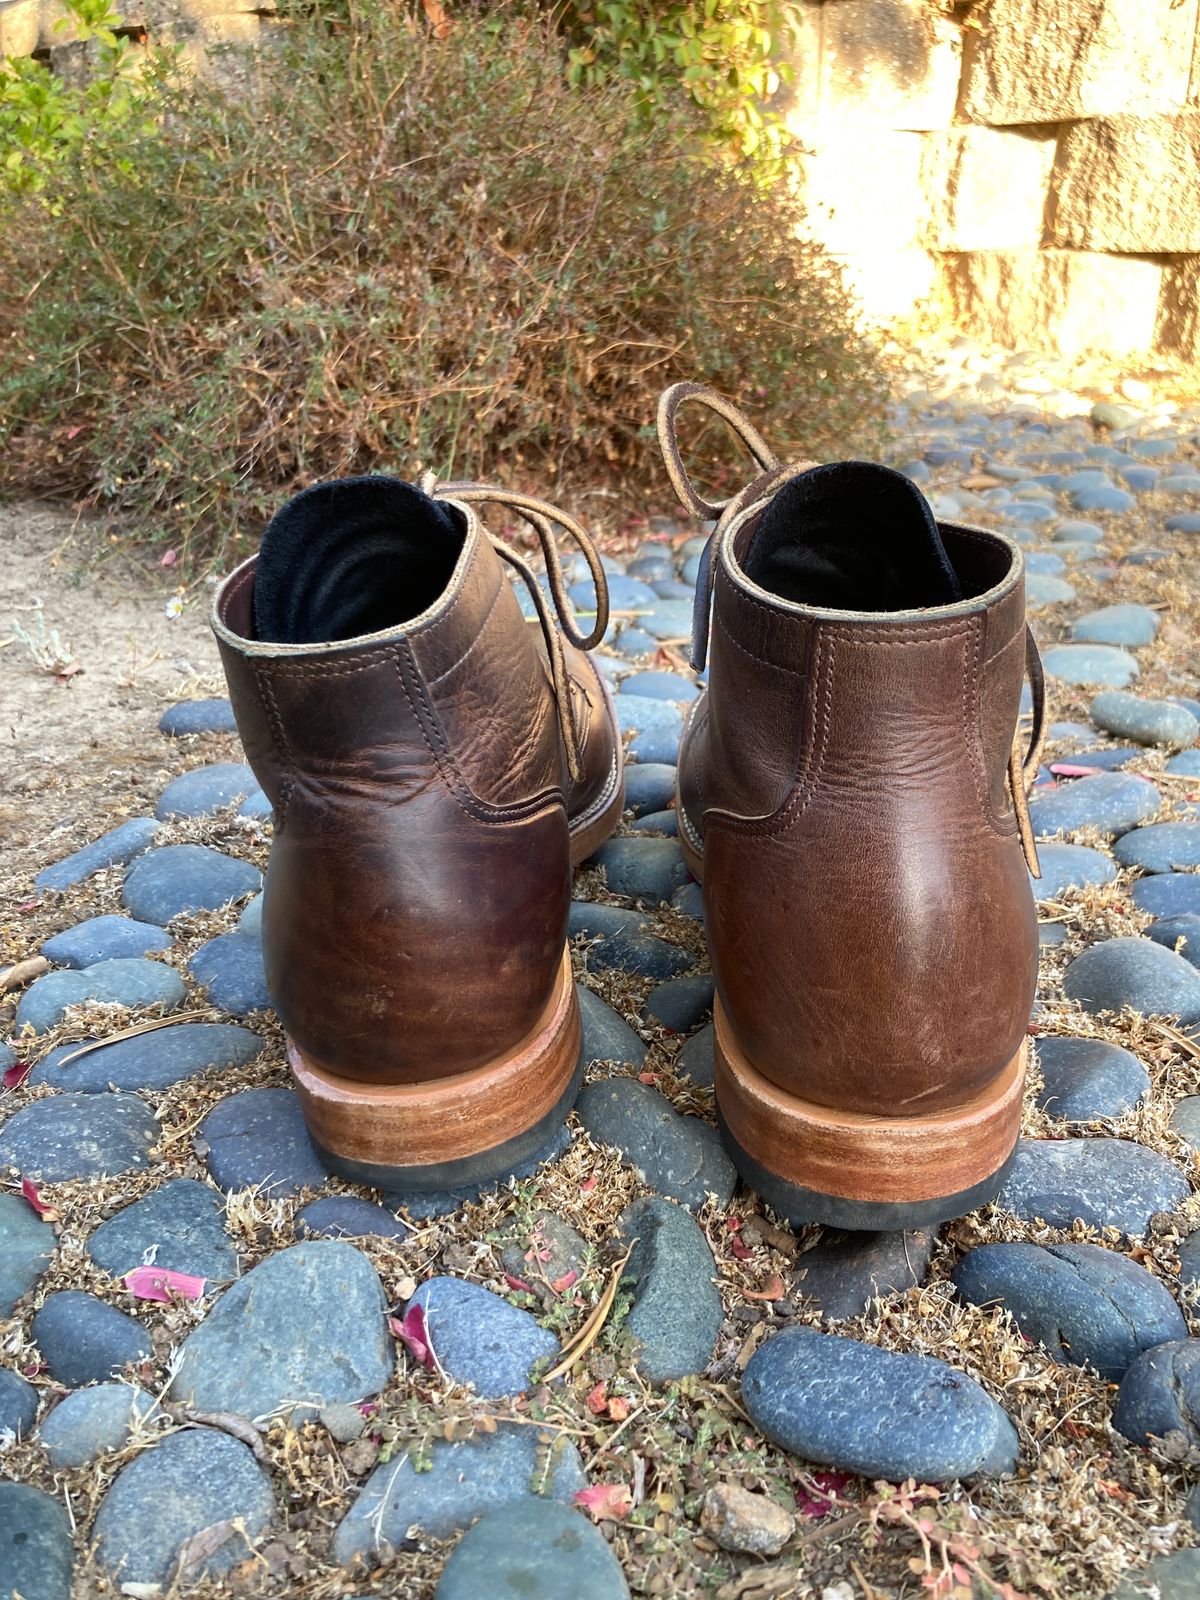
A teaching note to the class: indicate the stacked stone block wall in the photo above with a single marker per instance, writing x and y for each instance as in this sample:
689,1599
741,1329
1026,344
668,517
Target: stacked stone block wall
1028,170
207,32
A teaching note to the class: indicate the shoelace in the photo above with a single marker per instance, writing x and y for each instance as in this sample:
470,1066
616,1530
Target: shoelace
772,475
543,518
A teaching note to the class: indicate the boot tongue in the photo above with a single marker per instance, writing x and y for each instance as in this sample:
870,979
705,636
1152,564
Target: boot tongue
853,537
352,557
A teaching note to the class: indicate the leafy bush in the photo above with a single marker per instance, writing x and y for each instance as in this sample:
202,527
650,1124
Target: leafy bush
725,54
398,252
44,117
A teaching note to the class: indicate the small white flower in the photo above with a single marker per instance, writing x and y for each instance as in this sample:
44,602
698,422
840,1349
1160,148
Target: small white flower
174,606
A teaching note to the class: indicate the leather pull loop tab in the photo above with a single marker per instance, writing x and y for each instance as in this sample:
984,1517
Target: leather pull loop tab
543,518
1023,770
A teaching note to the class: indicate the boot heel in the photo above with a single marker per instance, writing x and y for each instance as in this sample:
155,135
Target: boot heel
813,1163
456,1131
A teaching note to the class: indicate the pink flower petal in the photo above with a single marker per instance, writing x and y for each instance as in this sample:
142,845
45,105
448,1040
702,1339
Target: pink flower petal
518,1283
17,1073
30,1190
160,1283
610,1502
1073,769
413,1333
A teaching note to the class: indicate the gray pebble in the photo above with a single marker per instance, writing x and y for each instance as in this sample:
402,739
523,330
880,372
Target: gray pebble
106,938
90,1421
1133,972
1173,1577
534,1550
1160,1394
649,786
37,1547
1084,1080
250,921
1121,624
679,1156
110,850
1085,1305
197,716
1088,665
130,981
550,1250
844,1271
1107,1183
258,1137
305,1328
179,1226
676,1314
345,1216
661,686
479,1339
1161,847
696,1060
644,869
18,1405
1145,721
186,877
206,790
680,1003
185,1483
1185,1121
84,1340
1070,866
1168,894
150,1060
856,1407
1112,802
26,1247
79,1136
1044,589
606,1036
457,1484
231,972
1181,934
634,950
663,823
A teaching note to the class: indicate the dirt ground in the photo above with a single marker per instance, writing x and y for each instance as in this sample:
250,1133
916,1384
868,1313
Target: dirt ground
81,719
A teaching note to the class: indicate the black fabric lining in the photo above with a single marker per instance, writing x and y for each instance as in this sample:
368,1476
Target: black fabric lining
353,557
852,536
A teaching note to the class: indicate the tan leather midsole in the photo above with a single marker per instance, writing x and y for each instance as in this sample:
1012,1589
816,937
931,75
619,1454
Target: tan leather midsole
424,1124
857,1156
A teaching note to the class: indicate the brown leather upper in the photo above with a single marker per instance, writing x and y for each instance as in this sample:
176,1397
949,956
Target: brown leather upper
868,909
417,894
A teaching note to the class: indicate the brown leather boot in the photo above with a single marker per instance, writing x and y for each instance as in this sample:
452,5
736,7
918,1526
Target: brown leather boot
851,794
436,765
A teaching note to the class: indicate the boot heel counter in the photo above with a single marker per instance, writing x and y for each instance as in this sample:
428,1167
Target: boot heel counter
448,915
879,925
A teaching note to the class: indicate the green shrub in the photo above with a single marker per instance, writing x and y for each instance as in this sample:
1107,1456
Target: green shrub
45,118
727,55
398,253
